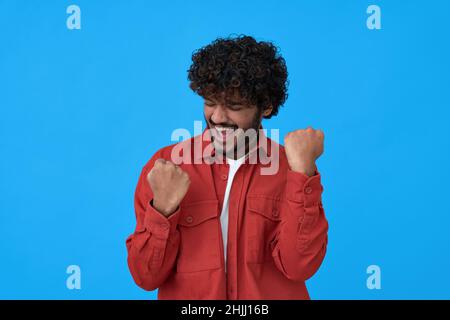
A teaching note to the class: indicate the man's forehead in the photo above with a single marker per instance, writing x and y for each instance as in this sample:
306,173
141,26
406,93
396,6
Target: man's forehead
228,98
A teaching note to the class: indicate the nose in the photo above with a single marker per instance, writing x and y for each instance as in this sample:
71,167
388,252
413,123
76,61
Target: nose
219,115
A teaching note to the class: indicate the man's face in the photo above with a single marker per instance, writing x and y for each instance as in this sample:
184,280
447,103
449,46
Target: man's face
224,118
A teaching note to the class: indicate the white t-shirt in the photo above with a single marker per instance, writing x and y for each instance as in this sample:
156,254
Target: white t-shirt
234,166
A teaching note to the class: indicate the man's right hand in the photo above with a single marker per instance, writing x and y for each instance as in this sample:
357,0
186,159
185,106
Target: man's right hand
169,184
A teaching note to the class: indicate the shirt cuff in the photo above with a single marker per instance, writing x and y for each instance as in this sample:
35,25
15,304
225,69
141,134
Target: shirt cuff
159,225
302,188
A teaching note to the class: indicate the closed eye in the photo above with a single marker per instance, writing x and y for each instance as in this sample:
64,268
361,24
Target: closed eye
235,107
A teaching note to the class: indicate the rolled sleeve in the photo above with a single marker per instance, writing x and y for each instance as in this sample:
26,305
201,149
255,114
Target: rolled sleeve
158,224
304,189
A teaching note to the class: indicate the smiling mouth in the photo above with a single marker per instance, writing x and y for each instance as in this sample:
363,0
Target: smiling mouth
223,132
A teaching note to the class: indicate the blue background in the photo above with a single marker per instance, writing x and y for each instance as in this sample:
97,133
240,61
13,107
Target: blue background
83,110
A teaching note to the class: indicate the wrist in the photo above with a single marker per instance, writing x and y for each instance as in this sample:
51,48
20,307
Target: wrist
164,209
307,168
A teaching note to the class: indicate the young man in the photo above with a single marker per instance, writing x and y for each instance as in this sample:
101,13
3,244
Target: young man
211,223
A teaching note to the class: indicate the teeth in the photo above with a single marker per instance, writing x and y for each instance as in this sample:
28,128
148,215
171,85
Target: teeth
227,131
224,129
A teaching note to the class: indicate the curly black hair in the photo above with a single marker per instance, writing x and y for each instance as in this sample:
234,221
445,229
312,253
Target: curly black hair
254,70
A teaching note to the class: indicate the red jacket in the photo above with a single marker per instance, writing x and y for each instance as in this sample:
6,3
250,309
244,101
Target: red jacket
277,236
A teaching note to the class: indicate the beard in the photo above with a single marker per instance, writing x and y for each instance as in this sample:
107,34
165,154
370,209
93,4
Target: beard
235,142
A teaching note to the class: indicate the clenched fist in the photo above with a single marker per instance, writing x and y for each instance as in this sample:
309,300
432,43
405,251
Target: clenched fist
303,147
169,184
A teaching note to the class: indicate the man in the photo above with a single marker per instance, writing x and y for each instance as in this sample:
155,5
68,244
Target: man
210,223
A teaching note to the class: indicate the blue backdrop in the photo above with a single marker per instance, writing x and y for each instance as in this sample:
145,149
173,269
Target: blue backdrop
82,111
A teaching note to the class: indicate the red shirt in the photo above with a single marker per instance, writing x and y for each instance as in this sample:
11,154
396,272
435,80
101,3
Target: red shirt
277,232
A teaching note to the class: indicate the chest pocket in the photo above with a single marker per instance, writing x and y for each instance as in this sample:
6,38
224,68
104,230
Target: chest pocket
262,219
199,232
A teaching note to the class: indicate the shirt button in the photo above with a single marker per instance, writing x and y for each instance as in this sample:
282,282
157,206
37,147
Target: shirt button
164,226
189,219
275,213
224,177
308,190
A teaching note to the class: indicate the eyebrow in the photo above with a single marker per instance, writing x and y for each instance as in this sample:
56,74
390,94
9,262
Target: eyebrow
234,102
228,102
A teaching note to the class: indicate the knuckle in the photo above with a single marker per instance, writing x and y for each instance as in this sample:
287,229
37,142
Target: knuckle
170,164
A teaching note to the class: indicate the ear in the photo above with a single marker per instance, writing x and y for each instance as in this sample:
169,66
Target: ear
267,111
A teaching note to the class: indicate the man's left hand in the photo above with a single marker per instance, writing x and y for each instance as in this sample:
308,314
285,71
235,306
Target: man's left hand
303,147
